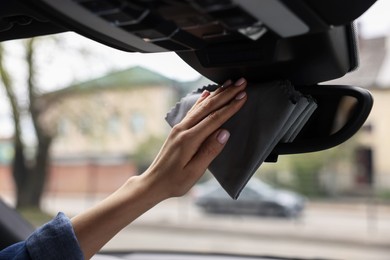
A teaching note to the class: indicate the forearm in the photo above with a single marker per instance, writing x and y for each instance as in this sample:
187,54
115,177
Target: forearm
95,227
184,157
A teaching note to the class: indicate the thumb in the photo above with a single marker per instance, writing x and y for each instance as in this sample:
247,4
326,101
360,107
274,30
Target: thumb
210,149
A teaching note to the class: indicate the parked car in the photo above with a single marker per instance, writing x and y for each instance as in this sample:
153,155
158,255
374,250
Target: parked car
257,198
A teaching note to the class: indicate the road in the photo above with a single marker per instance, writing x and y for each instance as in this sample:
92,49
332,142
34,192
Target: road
141,238
327,230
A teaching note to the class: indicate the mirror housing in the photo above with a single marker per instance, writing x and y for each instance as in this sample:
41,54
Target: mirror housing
303,60
319,132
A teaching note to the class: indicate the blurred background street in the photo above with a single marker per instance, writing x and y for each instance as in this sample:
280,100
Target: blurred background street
351,229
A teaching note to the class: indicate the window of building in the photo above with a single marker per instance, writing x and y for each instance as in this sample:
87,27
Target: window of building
85,125
364,163
62,127
137,122
113,124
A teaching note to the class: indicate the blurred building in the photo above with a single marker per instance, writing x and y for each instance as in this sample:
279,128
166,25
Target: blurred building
108,118
106,129
6,150
113,125
371,165
6,154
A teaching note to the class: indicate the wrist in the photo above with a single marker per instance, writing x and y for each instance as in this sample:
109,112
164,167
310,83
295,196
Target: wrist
147,187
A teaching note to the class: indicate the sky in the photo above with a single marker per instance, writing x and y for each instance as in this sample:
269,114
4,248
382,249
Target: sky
101,59
376,20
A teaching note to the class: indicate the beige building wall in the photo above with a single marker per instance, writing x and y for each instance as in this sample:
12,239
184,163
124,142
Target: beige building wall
378,137
109,121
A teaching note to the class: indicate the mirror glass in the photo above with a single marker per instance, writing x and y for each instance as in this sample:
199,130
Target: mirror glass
332,114
344,112
341,112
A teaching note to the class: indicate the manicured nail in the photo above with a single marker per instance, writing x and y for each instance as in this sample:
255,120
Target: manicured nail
204,93
227,83
241,95
223,136
239,82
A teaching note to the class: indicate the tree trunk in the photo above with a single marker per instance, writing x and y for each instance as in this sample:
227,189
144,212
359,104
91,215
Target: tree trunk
29,178
39,172
20,173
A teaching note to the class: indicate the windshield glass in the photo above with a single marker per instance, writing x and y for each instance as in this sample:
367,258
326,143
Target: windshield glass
97,115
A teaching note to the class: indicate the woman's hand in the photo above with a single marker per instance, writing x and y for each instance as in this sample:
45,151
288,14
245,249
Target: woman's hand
186,154
195,141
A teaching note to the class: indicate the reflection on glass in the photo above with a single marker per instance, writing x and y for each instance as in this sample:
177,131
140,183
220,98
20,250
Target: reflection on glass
344,112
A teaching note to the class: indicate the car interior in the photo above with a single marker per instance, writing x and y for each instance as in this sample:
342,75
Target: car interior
303,41
314,42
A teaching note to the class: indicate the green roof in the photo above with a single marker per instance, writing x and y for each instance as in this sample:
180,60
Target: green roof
129,78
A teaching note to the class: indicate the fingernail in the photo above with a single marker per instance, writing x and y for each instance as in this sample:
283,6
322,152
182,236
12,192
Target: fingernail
239,82
204,93
241,95
223,136
227,83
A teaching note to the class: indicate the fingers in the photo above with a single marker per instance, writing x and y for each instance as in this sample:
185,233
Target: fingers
202,97
207,93
201,131
224,86
210,149
215,119
194,143
211,103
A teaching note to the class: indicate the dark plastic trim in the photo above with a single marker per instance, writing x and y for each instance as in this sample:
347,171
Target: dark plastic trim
363,109
13,227
303,60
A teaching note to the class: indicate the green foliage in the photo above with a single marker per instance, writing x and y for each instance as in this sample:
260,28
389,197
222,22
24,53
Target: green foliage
35,216
304,170
383,195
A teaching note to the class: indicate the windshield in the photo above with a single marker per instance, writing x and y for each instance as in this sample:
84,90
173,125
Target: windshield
97,116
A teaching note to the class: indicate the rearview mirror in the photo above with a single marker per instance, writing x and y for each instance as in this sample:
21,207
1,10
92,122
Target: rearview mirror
341,112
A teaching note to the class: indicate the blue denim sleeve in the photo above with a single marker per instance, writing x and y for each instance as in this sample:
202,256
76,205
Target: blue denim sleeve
54,240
